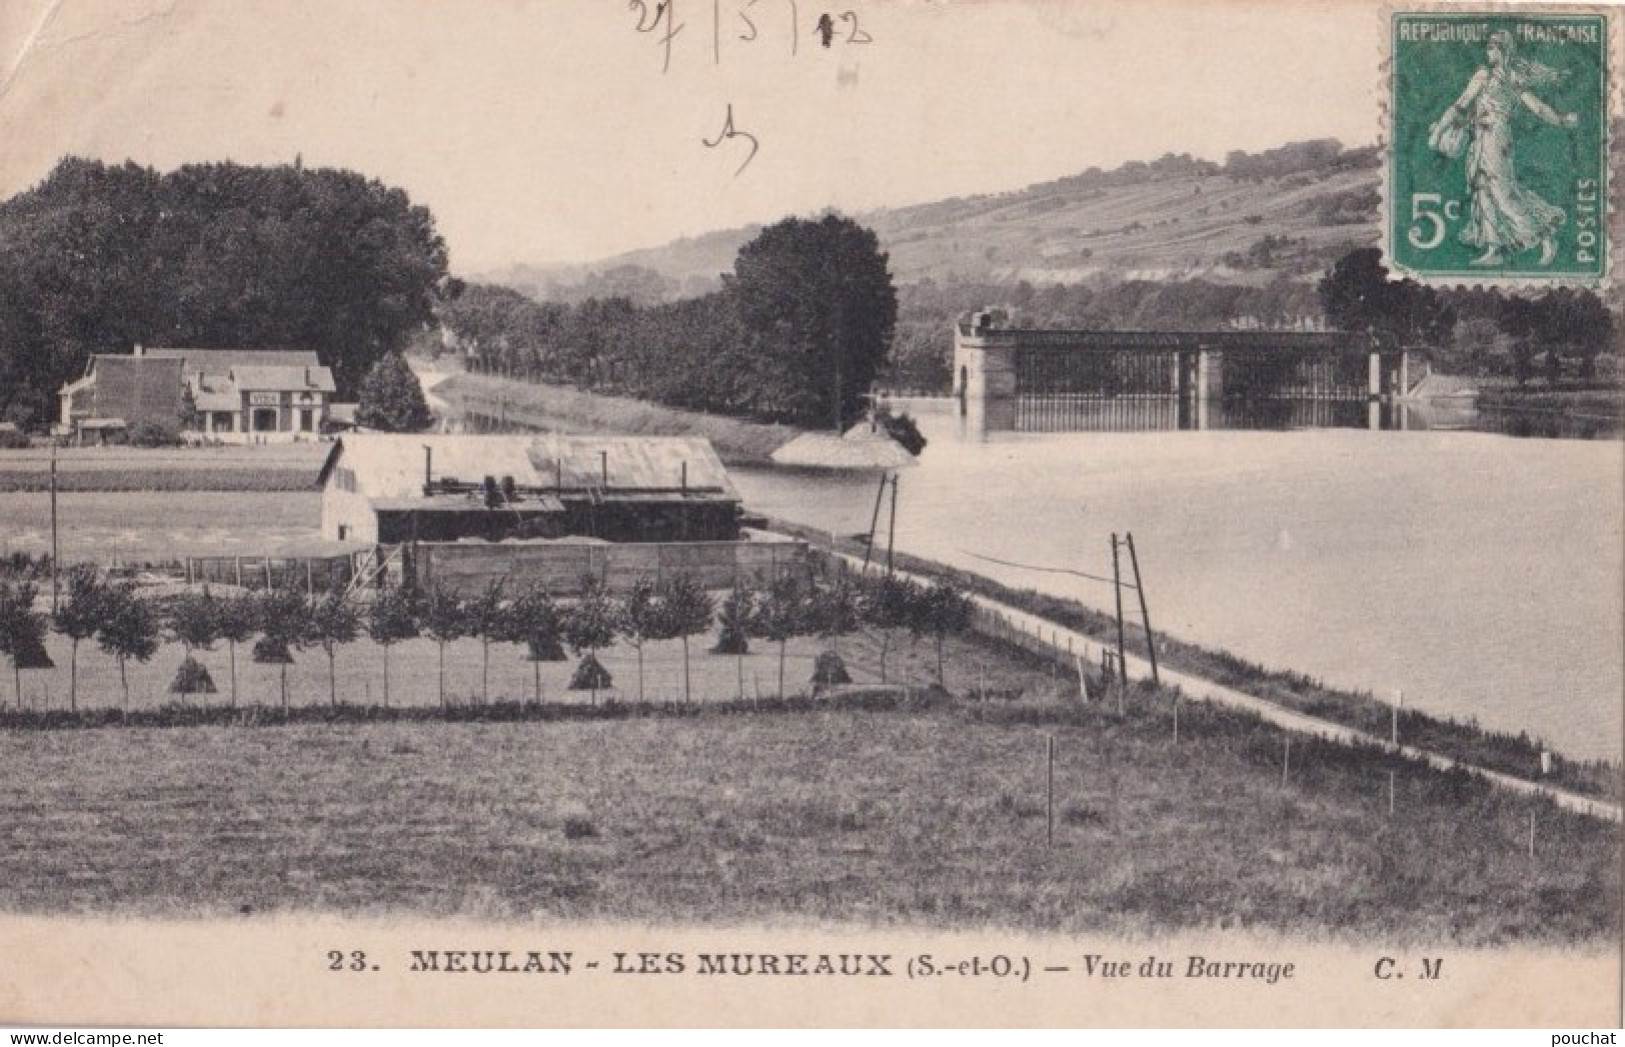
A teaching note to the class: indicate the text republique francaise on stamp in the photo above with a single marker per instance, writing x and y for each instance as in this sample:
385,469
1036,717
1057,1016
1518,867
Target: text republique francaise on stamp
1498,158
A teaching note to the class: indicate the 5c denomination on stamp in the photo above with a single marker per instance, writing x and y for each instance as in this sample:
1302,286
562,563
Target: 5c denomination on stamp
1498,158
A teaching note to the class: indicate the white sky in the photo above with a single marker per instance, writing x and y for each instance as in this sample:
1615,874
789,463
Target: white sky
545,130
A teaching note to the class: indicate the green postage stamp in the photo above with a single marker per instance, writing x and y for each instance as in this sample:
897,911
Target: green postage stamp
1498,163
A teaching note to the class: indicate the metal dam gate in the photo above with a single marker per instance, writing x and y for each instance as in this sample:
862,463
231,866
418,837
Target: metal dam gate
1067,381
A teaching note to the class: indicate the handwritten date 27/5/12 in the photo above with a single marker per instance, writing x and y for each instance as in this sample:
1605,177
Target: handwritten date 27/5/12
750,21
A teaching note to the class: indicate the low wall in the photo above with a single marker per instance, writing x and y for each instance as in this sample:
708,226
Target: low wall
465,568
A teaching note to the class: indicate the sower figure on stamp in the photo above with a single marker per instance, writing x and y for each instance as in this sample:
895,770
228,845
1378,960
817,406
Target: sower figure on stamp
1503,214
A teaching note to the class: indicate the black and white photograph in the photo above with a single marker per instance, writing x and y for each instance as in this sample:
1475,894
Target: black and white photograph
531,513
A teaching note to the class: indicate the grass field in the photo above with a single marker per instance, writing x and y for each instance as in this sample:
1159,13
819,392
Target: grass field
930,816
155,526
266,467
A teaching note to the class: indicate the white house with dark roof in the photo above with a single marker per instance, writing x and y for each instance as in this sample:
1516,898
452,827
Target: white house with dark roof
254,395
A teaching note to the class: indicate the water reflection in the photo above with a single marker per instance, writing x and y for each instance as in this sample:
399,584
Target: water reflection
1092,412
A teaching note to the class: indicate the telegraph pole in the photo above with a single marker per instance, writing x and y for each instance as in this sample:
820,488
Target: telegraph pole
891,530
1145,615
56,552
874,523
1117,587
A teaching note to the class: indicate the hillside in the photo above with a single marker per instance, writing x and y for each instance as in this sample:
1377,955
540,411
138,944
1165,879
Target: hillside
1289,211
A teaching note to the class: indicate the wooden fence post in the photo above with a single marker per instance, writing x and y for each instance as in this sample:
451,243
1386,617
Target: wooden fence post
1049,745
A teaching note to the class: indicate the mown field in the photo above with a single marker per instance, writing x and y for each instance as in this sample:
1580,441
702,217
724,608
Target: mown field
930,814
133,527
268,467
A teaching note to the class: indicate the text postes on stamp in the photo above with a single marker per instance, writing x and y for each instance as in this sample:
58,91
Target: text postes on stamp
1498,160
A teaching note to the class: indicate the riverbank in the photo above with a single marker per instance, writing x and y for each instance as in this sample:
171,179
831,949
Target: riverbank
484,401
1517,756
1600,404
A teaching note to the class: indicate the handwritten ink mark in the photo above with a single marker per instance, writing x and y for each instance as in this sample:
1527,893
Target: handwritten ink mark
825,29
643,12
856,36
729,131
743,17
666,9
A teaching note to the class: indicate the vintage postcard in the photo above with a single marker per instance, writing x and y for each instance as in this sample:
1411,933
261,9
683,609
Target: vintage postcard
755,512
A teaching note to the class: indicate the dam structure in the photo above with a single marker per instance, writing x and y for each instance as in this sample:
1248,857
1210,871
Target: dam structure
1027,380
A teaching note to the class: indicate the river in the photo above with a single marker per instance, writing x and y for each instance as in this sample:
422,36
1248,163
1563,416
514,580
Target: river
1481,574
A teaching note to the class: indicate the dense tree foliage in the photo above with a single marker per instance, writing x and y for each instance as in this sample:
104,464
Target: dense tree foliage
391,398
98,257
1358,296
798,333
818,301
1472,331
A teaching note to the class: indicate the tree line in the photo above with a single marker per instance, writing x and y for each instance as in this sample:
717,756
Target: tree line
1560,332
99,257
129,627
798,332
1474,331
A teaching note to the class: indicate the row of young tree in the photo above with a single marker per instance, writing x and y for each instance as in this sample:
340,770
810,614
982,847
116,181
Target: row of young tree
127,626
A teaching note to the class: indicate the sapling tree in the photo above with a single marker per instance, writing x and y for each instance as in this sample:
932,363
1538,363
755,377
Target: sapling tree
78,616
734,618
391,620
589,627
688,612
193,620
943,609
283,617
780,613
440,616
832,609
238,621
22,631
533,619
734,635
888,603
334,621
639,618
128,630
483,618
